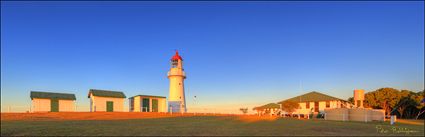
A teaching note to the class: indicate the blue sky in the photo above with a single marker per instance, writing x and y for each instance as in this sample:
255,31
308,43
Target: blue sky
237,54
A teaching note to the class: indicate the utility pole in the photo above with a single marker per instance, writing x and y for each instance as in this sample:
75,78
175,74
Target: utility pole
301,90
194,102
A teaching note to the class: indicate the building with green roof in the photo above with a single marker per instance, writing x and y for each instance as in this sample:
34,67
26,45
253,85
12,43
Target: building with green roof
271,108
267,106
316,102
52,102
106,100
147,103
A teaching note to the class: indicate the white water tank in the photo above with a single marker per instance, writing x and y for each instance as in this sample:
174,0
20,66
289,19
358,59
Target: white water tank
358,98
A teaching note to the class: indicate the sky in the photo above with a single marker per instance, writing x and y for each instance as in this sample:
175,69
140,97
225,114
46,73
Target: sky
236,54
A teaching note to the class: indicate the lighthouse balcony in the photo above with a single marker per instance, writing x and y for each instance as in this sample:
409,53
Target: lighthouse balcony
176,73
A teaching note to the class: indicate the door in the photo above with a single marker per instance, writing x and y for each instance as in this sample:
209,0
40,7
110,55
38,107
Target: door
131,104
145,105
154,105
54,105
316,106
109,106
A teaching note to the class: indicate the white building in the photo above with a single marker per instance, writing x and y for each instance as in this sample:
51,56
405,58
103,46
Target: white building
52,102
147,103
176,75
105,100
315,102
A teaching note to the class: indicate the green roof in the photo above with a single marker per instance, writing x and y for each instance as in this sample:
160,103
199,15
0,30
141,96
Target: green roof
106,93
312,97
268,106
52,95
149,96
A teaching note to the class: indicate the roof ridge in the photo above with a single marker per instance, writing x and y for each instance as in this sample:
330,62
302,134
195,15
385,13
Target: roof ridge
106,90
147,95
52,95
106,93
51,92
311,92
298,96
328,95
269,105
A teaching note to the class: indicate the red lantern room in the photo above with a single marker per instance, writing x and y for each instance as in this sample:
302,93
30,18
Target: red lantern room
175,60
176,56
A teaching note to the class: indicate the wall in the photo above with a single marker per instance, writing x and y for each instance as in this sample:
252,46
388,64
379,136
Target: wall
176,88
322,107
359,114
355,114
378,114
43,105
40,105
337,114
99,103
136,105
162,104
66,106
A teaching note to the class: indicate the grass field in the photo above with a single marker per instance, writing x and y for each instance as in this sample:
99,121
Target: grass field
148,124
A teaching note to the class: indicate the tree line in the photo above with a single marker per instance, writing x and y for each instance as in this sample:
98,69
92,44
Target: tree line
403,103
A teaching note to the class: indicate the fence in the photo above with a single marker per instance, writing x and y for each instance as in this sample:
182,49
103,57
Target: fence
15,109
355,114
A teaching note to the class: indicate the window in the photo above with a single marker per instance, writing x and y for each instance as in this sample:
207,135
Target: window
307,105
328,104
145,105
174,63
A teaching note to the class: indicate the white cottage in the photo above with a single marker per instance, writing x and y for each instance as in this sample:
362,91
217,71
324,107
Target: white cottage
106,101
52,102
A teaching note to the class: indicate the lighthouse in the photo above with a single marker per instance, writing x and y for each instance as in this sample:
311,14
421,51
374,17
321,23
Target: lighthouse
176,75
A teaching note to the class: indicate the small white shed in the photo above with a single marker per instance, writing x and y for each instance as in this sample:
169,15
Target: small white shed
147,103
52,102
106,100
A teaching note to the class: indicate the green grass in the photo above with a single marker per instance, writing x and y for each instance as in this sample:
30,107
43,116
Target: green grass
203,126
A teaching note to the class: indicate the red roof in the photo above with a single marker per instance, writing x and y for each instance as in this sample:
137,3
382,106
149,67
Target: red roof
176,56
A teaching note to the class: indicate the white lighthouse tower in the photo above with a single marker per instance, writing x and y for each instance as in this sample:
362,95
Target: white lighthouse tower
176,100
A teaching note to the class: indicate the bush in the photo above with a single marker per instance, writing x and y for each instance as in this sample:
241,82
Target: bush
320,115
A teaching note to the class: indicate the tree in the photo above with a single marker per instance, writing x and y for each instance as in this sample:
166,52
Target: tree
290,106
420,99
370,100
351,100
405,101
244,110
385,98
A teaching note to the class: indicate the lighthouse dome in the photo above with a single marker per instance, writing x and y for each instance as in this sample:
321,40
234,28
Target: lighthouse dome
177,56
